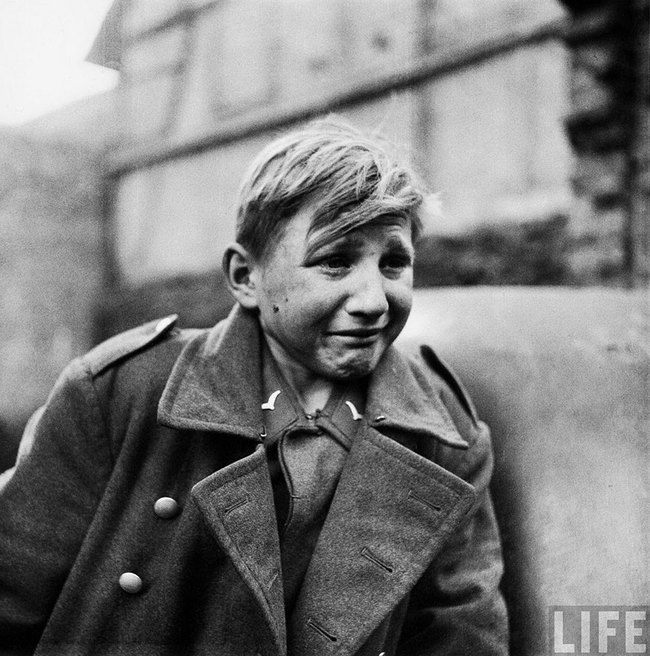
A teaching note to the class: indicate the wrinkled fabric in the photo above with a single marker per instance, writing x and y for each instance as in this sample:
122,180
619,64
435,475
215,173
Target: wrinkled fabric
407,562
306,454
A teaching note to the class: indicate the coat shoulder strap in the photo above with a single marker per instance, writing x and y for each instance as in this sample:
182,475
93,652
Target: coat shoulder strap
125,344
451,379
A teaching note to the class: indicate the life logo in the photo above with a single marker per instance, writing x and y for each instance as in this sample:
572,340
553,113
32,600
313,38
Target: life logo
613,630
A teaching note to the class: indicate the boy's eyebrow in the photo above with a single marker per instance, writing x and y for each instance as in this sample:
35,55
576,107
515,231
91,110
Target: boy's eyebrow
399,246
315,244
352,242
349,242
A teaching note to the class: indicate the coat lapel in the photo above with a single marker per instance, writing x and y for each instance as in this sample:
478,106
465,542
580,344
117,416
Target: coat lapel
391,514
216,386
237,503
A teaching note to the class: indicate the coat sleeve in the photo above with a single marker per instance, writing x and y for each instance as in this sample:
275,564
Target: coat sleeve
25,445
456,607
46,507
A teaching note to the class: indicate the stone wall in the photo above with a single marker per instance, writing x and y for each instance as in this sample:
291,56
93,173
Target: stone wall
51,263
199,300
609,127
525,253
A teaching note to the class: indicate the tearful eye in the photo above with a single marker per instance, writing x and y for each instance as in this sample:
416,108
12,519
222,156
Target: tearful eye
396,262
335,262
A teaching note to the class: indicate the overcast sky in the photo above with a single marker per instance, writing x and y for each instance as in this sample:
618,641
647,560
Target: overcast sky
43,44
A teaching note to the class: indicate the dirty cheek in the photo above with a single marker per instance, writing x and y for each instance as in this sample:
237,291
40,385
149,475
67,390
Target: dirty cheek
279,292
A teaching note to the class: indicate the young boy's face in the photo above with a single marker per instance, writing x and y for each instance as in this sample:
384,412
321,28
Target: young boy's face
334,311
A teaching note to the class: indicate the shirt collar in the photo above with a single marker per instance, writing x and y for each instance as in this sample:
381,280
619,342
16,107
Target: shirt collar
216,385
281,408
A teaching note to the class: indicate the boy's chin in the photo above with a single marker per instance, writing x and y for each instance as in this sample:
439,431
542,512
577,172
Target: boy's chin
351,369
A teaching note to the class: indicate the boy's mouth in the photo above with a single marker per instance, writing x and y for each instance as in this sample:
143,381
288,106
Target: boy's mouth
358,333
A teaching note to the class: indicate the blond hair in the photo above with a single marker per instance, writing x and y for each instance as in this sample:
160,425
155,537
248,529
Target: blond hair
351,179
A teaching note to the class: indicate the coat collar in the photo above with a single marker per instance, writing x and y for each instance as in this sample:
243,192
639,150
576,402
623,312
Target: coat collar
391,506
216,385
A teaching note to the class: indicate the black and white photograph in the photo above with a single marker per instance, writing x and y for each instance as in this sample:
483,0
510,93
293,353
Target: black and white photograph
324,327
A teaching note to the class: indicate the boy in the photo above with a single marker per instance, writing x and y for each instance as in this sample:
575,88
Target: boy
284,483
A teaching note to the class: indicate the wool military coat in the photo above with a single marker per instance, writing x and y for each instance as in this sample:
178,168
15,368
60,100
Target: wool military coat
408,561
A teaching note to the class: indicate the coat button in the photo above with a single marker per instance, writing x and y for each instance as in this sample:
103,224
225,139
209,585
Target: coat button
130,582
166,507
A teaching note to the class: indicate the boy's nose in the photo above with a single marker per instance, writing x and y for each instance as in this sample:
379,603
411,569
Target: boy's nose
367,295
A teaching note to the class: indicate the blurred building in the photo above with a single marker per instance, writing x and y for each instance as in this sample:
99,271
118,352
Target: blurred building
527,117
474,92
530,118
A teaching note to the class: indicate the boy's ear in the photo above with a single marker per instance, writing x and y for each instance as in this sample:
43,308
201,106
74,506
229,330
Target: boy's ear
238,265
